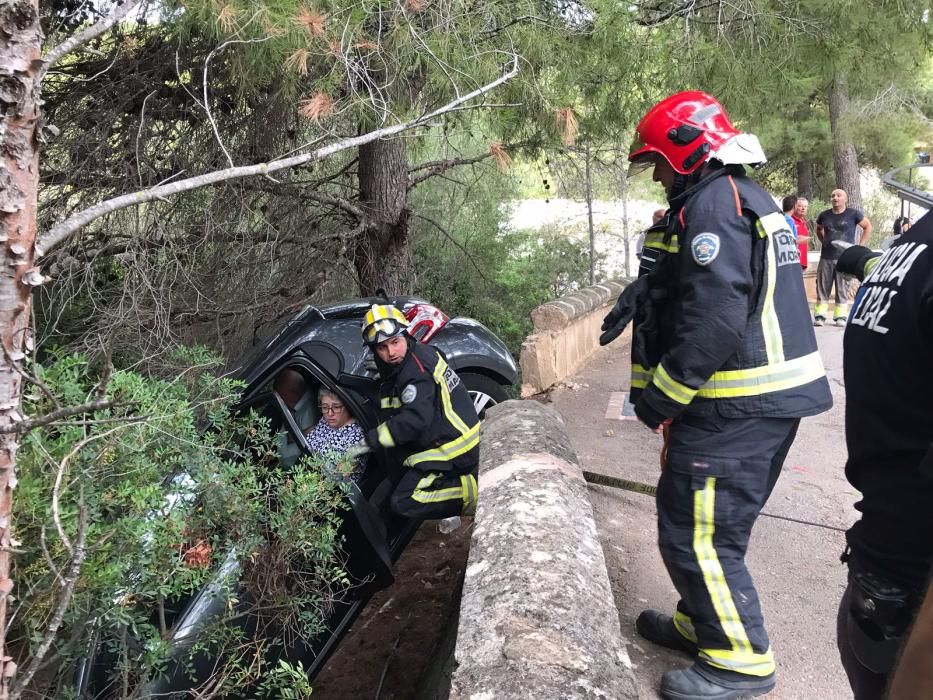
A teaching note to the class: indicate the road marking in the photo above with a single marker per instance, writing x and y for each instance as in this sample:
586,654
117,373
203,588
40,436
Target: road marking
620,408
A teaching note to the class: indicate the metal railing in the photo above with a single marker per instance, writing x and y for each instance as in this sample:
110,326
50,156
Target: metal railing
906,191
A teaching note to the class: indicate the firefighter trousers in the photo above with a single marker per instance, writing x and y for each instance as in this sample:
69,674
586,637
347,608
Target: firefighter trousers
428,494
718,476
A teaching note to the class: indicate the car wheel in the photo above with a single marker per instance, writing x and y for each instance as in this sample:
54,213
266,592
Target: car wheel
485,391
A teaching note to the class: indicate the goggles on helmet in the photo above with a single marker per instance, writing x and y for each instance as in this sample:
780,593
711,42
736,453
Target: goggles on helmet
382,330
382,322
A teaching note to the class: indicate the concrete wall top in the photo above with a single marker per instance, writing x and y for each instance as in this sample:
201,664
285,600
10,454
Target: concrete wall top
537,617
557,314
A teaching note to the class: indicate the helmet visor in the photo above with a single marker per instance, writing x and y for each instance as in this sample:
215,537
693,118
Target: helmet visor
381,330
641,157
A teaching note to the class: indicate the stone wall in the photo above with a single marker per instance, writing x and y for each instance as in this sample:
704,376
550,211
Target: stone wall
537,617
566,332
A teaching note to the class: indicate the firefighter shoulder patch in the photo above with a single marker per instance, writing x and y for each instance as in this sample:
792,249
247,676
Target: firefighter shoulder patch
705,248
409,393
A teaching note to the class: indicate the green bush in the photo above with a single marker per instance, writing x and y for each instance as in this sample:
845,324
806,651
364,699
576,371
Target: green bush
149,496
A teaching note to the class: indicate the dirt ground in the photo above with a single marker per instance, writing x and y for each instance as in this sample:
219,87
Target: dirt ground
391,644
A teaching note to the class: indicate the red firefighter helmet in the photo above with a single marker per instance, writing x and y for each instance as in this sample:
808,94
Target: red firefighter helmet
688,129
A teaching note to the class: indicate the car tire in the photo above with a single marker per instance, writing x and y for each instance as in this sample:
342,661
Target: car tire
485,391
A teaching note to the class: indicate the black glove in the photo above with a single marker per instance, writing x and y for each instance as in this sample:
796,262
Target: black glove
632,296
648,415
853,260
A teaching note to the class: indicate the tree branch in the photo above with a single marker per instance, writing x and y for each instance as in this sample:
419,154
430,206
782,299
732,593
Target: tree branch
63,231
283,189
64,601
57,53
458,245
436,167
24,426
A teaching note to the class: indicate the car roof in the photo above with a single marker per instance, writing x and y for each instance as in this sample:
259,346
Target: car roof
336,324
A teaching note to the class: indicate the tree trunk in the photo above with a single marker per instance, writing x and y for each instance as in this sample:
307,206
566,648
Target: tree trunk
20,42
845,160
623,195
589,213
382,255
805,178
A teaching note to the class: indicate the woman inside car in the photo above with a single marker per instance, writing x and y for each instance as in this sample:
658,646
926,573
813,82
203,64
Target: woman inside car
335,433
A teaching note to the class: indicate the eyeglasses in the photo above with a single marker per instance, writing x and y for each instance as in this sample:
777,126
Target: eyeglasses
331,408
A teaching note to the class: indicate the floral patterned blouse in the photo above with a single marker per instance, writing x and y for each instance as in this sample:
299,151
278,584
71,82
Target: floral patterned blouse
329,443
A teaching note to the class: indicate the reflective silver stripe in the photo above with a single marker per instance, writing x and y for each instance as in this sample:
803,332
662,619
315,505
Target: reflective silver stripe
641,376
656,241
681,393
468,483
449,411
422,494
770,326
748,662
734,383
684,625
447,451
764,380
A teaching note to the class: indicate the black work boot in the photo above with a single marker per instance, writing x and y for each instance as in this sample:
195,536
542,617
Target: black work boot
659,628
702,682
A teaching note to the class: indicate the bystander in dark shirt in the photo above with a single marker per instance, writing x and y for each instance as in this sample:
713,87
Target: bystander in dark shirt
838,227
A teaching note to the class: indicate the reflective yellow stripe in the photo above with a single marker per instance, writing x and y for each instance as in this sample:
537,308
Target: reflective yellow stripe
763,380
656,240
704,505
870,265
734,383
770,327
741,658
819,309
392,402
422,494
384,436
681,393
468,484
841,311
750,663
449,412
772,223
641,376
684,625
447,451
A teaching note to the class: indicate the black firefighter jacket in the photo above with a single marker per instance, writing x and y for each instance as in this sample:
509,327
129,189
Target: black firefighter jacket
427,413
888,366
728,327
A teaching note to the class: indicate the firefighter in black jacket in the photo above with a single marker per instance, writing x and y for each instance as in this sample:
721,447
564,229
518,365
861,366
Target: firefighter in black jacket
889,435
724,354
429,423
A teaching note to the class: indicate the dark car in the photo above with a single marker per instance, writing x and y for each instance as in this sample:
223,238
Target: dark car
324,345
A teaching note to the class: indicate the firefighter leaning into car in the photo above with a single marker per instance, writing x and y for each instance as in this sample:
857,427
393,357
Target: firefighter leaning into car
429,424
723,353
889,436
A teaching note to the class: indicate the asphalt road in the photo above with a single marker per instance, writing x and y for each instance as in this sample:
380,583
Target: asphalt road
796,567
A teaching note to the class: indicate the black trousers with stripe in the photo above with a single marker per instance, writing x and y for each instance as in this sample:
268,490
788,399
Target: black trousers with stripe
719,474
428,494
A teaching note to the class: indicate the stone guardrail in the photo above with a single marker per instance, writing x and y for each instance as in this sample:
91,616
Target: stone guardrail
566,332
537,617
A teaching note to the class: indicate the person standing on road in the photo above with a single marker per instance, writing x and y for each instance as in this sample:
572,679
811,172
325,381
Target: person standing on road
725,356
430,426
839,223
799,215
788,204
889,436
